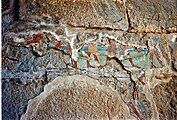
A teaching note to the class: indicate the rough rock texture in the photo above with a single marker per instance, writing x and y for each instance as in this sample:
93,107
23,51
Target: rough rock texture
123,50
15,96
77,97
82,13
166,100
152,15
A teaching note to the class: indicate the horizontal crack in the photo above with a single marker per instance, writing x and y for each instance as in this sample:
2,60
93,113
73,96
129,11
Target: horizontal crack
97,28
13,59
130,30
160,31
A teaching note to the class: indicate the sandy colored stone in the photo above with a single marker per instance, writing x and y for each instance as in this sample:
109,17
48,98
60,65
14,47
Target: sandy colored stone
76,97
139,15
152,15
147,24
165,98
83,13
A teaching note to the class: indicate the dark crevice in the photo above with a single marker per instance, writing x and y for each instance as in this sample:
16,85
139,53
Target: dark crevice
13,59
128,19
173,66
35,53
16,10
142,37
128,72
45,78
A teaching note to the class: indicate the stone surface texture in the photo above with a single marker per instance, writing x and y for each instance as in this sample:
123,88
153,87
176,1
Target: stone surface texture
77,97
89,59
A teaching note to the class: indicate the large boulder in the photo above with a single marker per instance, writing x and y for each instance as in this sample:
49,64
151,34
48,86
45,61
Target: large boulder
76,97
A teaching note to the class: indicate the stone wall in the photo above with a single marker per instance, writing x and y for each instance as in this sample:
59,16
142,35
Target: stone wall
100,59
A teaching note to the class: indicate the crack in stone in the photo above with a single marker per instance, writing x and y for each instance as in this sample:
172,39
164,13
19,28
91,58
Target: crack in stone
127,16
128,72
13,59
136,114
130,29
160,31
95,28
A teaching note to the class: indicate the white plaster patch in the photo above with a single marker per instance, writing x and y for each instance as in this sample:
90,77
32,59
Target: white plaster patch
19,40
174,38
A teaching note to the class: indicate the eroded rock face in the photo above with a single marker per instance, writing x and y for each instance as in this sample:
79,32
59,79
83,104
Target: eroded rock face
83,13
15,96
127,47
166,99
76,97
153,15
138,15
